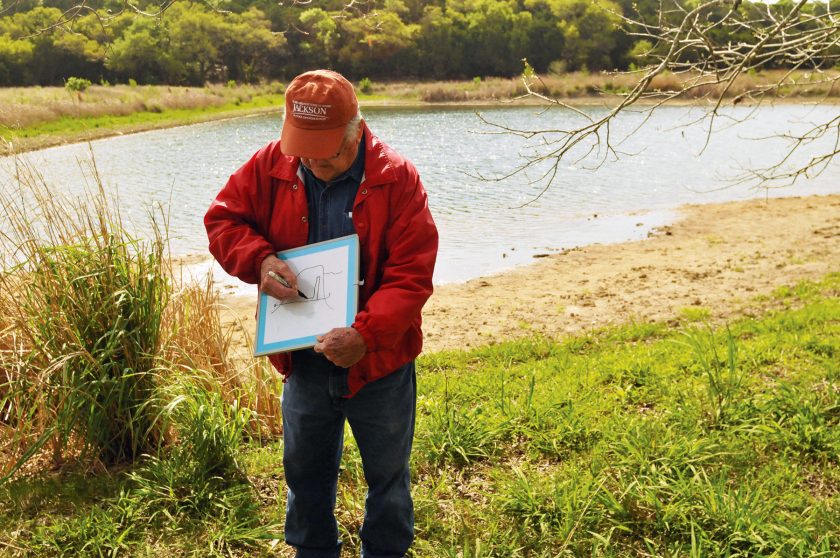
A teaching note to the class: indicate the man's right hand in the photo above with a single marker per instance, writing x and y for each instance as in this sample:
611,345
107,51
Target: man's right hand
273,287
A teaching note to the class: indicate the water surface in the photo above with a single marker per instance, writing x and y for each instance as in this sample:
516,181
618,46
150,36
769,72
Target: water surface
485,226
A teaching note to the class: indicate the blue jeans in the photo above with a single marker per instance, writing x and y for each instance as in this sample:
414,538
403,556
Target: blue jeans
381,416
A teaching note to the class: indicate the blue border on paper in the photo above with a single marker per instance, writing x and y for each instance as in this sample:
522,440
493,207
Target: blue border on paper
352,243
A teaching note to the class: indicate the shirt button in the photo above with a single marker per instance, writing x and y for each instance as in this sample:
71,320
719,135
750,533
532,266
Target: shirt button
364,192
304,219
294,187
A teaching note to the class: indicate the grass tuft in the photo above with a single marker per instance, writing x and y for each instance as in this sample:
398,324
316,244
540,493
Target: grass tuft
85,301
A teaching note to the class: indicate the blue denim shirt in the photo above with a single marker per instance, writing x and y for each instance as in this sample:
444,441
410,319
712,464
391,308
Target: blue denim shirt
331,203
331,216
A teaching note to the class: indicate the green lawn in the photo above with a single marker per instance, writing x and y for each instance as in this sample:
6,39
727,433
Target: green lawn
647,439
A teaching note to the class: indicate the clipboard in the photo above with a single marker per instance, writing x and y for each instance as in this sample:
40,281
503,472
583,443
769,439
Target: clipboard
327,273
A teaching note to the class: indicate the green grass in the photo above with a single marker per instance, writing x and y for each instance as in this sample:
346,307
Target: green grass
638,440
79,127
36,117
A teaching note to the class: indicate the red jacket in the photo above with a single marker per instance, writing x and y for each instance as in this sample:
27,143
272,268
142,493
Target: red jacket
262,209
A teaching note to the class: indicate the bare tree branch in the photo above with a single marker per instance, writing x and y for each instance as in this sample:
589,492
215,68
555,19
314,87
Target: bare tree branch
804,37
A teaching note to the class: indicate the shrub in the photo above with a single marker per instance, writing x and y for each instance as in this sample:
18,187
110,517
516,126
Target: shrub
366,86
77,84
132,82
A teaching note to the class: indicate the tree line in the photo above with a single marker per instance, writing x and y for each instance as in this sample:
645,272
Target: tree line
192,43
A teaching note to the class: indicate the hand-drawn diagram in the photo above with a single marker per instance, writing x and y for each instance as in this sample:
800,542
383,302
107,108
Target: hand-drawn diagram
327,275
316,283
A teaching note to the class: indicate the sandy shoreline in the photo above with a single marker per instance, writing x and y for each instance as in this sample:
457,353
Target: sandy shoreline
718,257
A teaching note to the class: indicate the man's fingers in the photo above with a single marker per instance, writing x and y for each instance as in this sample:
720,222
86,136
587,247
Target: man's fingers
273,288
341,346
277,279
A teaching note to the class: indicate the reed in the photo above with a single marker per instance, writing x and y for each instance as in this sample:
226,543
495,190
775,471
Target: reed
197,341
94,324
106,358
84,302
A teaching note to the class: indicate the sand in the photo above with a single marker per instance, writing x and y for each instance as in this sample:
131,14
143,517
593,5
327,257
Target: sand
718,257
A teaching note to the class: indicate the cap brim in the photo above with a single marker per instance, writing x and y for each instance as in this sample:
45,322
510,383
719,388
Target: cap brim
311,144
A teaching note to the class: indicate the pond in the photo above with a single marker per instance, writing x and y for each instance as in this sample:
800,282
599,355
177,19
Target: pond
486,226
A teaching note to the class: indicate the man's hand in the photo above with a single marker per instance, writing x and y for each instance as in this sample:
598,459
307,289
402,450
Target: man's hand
343,346
273,287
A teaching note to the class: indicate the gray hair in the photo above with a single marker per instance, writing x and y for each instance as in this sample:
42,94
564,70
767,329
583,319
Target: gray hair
353,126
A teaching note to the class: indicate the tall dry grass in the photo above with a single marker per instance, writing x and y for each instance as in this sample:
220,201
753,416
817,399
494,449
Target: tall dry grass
582,85
22,107
95,328
86,301
31,106
197,340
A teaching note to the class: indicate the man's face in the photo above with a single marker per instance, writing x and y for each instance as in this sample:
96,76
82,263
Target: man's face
333,167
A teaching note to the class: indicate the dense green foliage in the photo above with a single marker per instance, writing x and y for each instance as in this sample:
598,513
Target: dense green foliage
248,40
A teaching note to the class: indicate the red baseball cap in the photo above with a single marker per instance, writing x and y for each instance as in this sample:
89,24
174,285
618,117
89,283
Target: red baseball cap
319,104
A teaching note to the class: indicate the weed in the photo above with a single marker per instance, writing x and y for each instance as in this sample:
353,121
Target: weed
560,431
459,435
102,531
548,510
806,421
723,376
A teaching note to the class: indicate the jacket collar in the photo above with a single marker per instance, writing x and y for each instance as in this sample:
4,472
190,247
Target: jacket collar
378,167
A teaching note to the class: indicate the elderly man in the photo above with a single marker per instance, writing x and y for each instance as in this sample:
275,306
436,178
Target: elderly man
328,177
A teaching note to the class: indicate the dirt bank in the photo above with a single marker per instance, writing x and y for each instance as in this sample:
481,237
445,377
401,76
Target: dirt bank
717,257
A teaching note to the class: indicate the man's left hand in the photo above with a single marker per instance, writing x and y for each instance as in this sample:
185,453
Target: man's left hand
343,346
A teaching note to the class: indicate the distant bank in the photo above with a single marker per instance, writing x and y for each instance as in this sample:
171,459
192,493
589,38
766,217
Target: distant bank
39,117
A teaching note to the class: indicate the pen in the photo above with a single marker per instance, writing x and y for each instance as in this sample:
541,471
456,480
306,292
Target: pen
282,280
